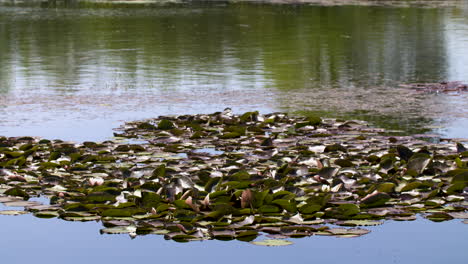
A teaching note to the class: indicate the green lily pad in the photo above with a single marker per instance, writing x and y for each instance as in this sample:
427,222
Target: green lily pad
439,217
360,223
225,176
17,192
386,187
119,230
286,205
375,200
46,214
165,124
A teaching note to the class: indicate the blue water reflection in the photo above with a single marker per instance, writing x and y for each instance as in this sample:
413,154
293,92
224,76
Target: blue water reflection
26,239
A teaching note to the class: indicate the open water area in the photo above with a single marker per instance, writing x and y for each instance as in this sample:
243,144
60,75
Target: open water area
77,72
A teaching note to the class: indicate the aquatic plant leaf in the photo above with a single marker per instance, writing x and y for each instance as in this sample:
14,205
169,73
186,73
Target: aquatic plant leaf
344,163
343,211
46,214
460,147
459,215
82,218
272,242
17,192
411,186
359,223
165,124
100,197
150,199
404,152
12,212
460,176
334,147
309,208
268,209
439,217
418,162
248,220
223,234
375,199
286,205
146,126
125,212
119,230
160,171
21,203
247,236
386,187
344,232
277,177
189,201
328,172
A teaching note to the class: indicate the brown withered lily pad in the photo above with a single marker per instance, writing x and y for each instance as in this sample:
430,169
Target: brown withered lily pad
225,176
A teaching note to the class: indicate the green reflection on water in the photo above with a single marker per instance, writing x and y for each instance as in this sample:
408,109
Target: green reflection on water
336,61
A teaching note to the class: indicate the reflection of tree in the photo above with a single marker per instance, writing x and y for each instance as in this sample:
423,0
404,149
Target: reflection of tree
347,61
5,54
345,45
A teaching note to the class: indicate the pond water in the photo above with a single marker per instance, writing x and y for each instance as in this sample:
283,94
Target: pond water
34,240
76,73
64,71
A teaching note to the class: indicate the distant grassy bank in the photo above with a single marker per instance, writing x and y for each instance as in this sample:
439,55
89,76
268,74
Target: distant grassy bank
424,3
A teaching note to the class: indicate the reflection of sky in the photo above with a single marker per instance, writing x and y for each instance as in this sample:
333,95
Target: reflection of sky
26,239
456,34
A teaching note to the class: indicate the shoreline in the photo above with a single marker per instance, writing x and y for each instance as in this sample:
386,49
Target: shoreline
387,3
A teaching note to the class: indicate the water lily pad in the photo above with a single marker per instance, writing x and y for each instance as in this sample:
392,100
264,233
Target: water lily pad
12,212
286,205
119,230
21,203
165,124
439,217
272,242
239,176
344,232
17,192
360,223
418,162
46,214
375,200
386,187
459,215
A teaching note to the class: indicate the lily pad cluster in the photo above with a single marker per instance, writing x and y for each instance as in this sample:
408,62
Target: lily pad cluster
226,176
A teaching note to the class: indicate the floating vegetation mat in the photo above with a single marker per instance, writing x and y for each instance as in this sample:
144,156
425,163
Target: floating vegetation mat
225,176
442,87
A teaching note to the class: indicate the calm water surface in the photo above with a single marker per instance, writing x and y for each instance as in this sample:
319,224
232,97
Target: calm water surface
76,73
